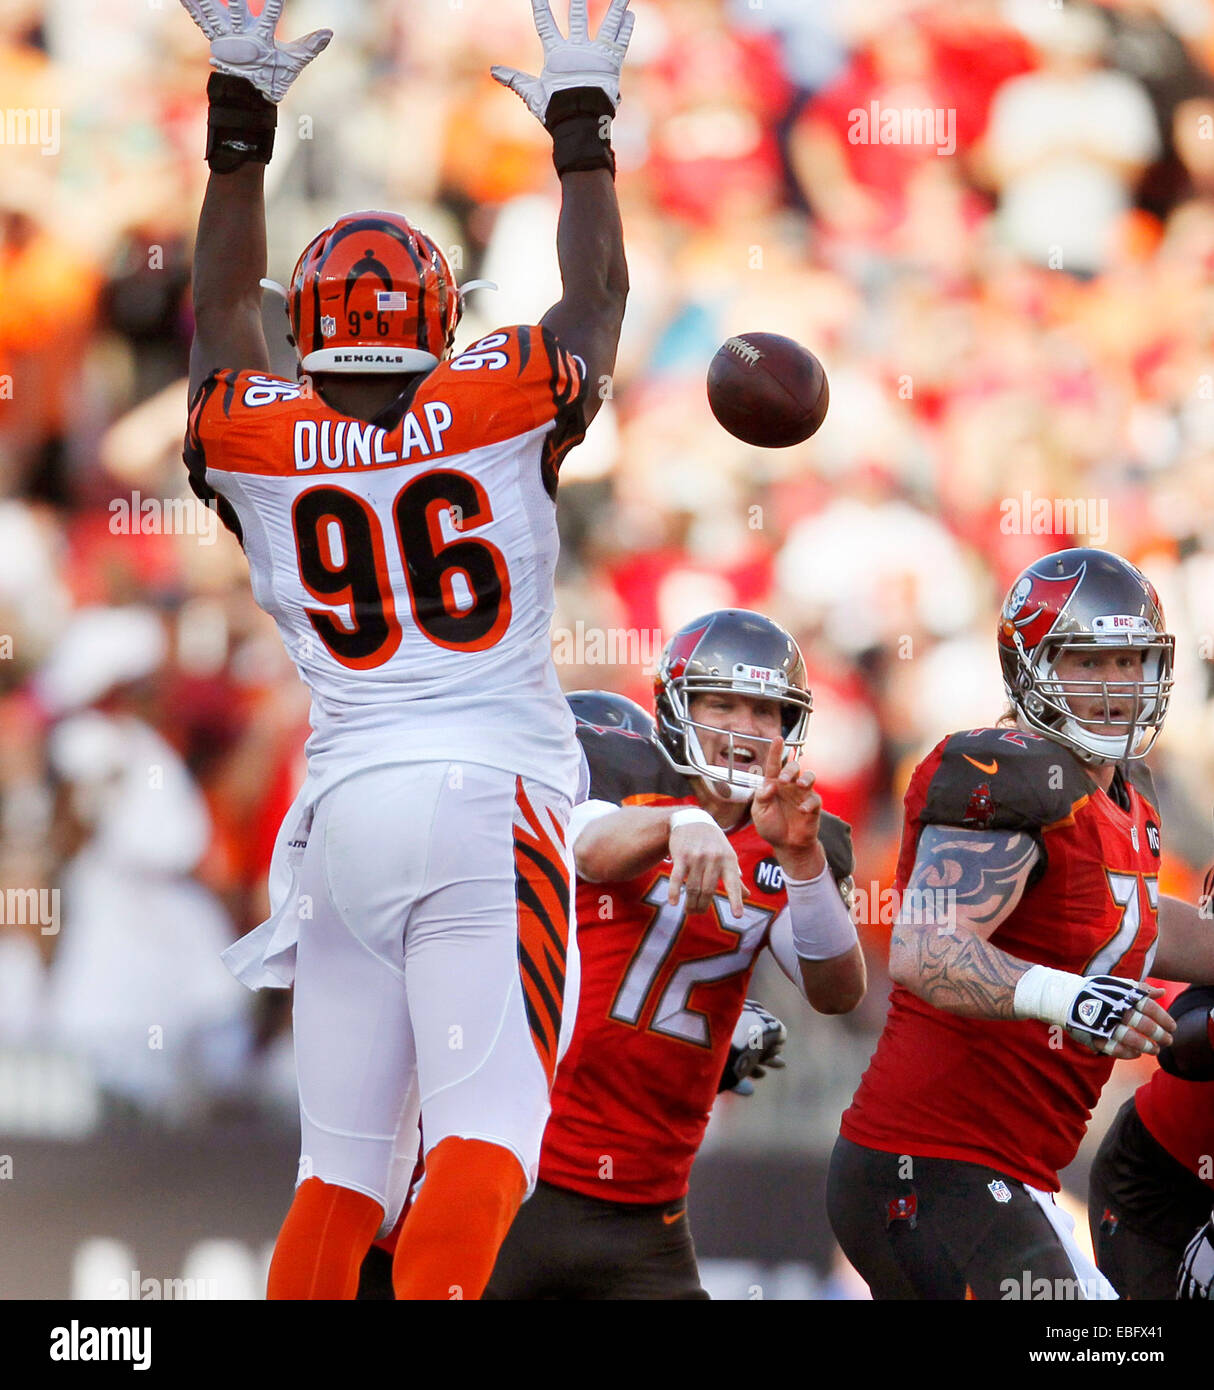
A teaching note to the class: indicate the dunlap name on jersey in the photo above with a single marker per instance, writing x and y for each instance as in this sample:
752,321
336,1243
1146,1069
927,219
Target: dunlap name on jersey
351,443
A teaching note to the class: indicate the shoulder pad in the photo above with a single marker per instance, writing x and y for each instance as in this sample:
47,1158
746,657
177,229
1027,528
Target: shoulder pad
227,395
628,769
522,362
235,422
997,779
834,835
510,382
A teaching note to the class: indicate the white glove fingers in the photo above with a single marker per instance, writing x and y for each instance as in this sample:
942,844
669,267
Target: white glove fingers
202,12
613,21
309,46
238,10
268,21
578,31
624,36
545,25
506,76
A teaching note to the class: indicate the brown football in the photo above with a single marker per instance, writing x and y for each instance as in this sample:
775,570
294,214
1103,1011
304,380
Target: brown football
767,390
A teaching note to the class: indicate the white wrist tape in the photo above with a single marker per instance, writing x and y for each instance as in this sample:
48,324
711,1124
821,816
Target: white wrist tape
1045,993
822,927
689,815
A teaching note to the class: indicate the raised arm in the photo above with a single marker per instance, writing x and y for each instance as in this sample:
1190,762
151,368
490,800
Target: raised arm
229,262
575,96
590,248
252,74
813,939
964,884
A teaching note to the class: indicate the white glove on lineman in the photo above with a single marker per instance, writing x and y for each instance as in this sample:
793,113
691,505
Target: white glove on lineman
576,61
1091,1009
241,48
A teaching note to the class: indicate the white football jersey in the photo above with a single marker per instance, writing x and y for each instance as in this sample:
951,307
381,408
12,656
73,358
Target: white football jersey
409,567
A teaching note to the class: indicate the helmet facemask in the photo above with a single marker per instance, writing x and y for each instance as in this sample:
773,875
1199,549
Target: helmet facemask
1048,702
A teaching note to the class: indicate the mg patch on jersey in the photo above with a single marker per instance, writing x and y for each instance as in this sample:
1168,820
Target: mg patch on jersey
769,876
1153,838
999,1190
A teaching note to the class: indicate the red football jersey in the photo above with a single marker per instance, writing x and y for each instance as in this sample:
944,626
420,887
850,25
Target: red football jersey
1180,1118
1179,1113
660,996
1017,1096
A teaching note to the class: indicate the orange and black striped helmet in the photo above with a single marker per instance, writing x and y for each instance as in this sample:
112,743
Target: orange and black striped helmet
372,293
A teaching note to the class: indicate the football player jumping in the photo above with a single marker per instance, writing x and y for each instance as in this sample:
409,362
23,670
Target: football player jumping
696,849
758,1036
396,506
1030,919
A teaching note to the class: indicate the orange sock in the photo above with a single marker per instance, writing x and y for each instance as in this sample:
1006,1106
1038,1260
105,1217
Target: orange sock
449,1243
323,1242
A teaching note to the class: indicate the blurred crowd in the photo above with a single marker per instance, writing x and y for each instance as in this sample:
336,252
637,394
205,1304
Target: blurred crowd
993,222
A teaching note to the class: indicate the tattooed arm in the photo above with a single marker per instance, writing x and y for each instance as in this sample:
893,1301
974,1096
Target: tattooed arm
970,881
964,884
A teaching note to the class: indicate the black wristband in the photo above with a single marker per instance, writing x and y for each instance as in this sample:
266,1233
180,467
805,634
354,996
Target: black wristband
240,124
579,121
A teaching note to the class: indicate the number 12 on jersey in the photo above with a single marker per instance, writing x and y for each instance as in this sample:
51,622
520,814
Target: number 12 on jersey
672,1016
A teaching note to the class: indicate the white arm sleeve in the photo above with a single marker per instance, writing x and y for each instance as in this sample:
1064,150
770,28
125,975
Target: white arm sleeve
780,944
585,812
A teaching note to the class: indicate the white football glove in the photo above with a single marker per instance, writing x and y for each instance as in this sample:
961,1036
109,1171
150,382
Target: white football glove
242,48
1097,1010
576,61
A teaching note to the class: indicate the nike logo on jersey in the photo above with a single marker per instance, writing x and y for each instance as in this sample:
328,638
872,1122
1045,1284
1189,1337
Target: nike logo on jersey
670,1217
989,768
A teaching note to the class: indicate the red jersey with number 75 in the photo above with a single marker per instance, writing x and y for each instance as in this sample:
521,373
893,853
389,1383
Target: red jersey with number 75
409,562
1017,1096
